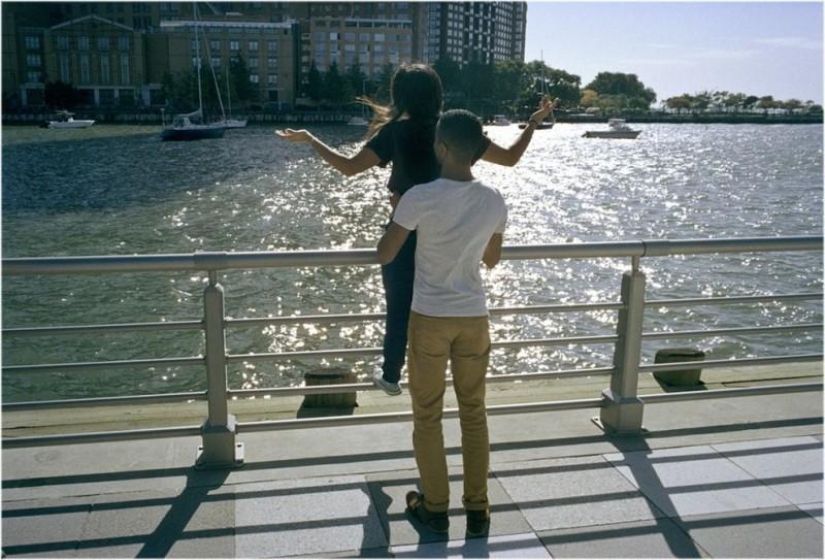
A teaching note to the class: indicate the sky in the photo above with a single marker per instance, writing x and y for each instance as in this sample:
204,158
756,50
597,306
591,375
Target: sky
755,48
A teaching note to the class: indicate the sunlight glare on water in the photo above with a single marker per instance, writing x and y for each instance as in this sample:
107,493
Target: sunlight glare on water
119,190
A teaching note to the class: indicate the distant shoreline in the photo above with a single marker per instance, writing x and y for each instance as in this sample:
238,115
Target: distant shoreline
329,117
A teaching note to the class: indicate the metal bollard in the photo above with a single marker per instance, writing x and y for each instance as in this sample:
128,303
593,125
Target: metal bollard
219,449
622,410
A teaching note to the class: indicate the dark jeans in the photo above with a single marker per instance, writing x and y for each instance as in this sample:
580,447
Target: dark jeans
398,277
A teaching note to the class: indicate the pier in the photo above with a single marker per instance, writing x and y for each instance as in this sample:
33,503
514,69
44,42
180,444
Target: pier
590,462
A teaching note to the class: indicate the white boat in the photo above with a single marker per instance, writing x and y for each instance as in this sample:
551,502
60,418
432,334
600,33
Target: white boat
65,119
617,129
190,126
358,121
500,120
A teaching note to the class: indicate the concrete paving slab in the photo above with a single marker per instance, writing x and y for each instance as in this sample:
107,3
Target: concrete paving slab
44,528
389,491
526,545
693,481
192,522
814,510
792,467
575,492
764,533
656,538
305,517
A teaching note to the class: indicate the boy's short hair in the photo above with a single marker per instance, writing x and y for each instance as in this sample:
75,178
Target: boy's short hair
462,132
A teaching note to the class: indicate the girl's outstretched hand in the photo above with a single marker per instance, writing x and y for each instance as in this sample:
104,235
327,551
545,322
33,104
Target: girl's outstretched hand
297,136
545,108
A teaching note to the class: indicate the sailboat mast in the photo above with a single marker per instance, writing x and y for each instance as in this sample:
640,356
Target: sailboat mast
198,59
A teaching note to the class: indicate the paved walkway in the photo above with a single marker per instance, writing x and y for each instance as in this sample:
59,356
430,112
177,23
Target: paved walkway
734,478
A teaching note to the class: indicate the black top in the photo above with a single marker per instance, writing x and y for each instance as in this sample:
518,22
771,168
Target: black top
408,144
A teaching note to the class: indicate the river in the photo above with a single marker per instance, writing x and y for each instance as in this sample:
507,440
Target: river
118,189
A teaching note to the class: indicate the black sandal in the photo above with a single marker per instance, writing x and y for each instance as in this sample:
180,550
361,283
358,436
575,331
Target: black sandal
437,522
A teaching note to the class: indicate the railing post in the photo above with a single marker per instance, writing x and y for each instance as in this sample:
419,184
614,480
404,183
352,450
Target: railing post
622,409
219,449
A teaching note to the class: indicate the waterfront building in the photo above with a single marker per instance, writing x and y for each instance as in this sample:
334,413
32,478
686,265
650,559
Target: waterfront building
118,54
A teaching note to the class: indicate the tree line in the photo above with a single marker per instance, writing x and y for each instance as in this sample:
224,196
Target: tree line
511,87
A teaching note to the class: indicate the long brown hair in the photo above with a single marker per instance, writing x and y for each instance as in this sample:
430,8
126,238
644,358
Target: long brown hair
415,90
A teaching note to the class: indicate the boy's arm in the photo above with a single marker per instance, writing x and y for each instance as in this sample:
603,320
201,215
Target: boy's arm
492,253
349,166
391,243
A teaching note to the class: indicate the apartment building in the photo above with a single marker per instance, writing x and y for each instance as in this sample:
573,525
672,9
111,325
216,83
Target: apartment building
117,53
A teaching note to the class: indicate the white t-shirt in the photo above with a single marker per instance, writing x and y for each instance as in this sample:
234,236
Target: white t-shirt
455,221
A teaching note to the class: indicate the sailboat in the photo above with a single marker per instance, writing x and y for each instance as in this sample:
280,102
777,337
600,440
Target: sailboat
230,122
190,126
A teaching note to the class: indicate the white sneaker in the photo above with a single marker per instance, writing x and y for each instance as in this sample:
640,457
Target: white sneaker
392,389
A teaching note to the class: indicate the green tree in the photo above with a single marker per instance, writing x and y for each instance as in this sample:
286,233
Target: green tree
384,84
356,80
450,73
749,102
60,95
624,85
589,98
508,83
765,103
680,103
239,80
476,79
314,86
335,86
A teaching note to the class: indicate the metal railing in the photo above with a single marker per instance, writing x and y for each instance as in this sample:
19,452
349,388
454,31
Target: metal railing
620,406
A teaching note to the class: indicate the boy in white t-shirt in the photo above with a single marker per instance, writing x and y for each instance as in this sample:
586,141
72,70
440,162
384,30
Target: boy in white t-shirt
459,223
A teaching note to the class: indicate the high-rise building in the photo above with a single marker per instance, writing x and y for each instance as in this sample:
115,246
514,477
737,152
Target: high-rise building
465,32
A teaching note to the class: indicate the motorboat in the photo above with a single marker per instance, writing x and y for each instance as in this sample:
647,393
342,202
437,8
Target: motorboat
65,119
186,127
358,121
617,128
500,120
234,123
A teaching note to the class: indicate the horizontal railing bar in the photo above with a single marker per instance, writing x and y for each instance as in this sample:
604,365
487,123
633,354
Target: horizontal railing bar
213,261
664,248
658,398
94,366
744,330
372,351
100,437
733,299
406,416
744,362
104,401
85,329
352,387
346,317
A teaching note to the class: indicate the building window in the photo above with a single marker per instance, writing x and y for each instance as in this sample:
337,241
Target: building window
272,62
64,68
215,44
83,43
105,71
253,62
125,70
33,77
253,46
272,46
254,79
34,60
124,44
85,74
272,79
103,43
234,45
63,43
215,61
32,42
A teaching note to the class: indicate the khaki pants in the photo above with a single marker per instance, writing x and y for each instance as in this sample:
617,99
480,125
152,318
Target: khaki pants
465,343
